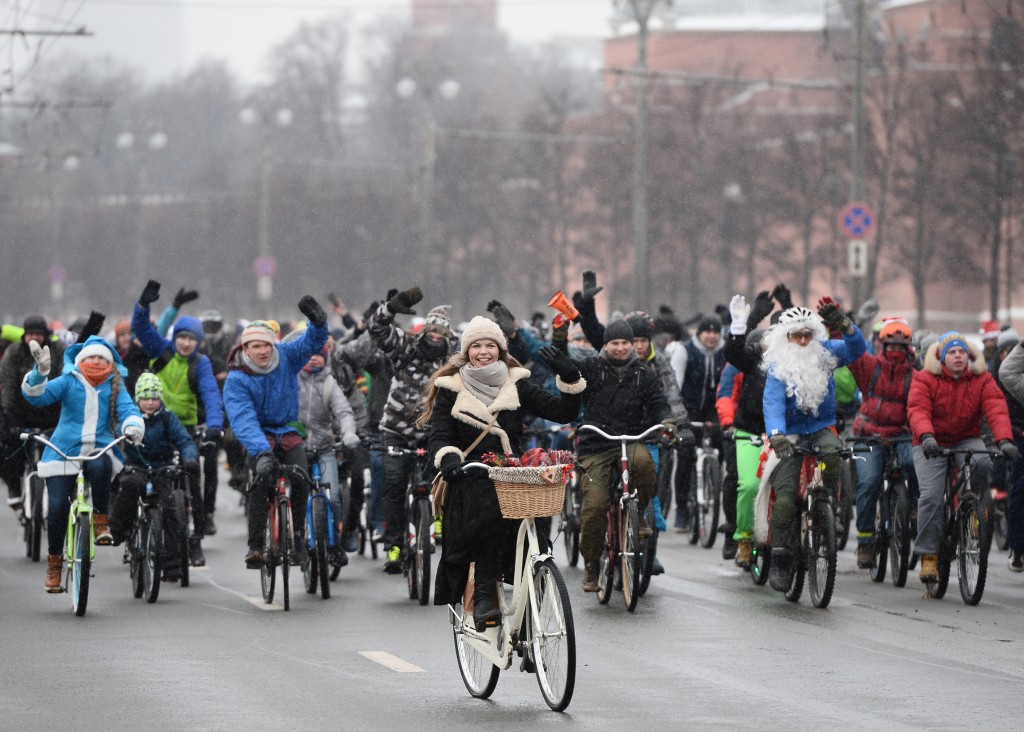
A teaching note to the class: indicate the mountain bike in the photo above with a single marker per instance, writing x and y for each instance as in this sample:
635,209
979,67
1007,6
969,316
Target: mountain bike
419,520
279,535
536,624
322,535
966,534
79,542
623,548
705,487
32,515
811,536
892,514
146,541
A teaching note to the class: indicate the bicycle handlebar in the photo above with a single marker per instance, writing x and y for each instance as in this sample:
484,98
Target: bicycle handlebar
80,458
844,452
949,452
625,438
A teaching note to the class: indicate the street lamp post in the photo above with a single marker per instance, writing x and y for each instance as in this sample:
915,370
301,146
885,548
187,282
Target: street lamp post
406,88
264,266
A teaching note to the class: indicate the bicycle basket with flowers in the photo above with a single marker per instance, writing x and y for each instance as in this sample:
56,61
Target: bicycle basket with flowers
533,485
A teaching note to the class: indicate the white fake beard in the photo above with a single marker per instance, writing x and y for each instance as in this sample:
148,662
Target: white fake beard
805,370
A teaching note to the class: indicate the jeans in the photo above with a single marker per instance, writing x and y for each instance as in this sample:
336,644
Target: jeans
601,468
786,479
329,475
1015,504
869,483
261,489
62,490
931,478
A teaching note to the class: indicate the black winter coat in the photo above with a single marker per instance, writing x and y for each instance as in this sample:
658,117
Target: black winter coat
750,410
473,527
16,363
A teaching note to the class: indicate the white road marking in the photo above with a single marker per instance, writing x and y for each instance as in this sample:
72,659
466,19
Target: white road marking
391,661
258,602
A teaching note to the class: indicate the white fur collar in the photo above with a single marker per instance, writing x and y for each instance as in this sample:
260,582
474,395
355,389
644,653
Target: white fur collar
470,410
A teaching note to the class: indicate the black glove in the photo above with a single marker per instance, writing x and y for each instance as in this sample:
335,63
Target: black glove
1009,450
782,446
192,468
150,294
450,465
559,363
503,317
368,313
212,434
762,308
590,288
685,438
266,463
783,296
92,326
930,446
185,296
312,310
404,301
391,293
833,317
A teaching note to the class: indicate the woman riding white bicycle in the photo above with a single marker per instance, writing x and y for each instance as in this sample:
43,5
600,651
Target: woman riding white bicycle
483,389
94,408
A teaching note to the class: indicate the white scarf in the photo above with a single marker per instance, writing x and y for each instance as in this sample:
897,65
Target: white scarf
275,360
485,382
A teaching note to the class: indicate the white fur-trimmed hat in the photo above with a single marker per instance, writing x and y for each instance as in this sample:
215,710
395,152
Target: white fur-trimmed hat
479,328
94,349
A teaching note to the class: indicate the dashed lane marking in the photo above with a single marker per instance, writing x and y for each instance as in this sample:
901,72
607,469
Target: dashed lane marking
391,661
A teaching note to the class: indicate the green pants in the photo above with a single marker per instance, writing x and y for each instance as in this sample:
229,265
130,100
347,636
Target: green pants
786,478
601,468
748,458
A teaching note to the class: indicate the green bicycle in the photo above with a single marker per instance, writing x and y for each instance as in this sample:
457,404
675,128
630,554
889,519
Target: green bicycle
79,542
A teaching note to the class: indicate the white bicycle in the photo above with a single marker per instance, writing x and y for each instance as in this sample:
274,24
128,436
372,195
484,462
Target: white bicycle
536,624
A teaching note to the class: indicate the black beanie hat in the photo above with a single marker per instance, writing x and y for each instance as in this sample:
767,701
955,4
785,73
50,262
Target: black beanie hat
616,330
36,324
641,324
709,322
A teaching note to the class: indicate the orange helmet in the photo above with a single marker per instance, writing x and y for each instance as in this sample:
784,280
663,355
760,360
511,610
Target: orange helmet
895,331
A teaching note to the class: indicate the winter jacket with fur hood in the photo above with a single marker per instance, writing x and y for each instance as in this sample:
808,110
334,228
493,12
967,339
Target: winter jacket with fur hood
323,409
951,409
884,381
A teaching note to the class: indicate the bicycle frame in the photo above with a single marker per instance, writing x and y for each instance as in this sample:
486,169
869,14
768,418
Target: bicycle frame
320,490
705,450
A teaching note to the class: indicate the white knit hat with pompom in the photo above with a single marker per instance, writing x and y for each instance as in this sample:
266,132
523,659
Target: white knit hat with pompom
479,328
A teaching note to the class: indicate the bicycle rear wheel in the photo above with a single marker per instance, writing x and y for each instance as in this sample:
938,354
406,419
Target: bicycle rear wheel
570,522
422,548
972,554
820,547
694,509
478,673
630,554
712,501
899,533
35,522
760,563
880,553
153,546
553,643
286,547
797,567
311,570
268,573
81,562
607,560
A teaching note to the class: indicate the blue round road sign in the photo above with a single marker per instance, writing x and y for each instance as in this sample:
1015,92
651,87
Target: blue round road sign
857,220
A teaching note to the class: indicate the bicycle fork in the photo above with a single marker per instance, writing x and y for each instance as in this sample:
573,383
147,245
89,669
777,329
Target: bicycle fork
79,507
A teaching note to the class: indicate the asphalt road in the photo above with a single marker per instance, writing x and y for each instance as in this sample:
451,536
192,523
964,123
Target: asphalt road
705,649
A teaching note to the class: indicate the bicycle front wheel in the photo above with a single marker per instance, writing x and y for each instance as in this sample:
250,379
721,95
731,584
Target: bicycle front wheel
181,511
972,555
630,554
35,523
478,673
899,533
844,504
760,563
320,548
151,540
268,573
880,548
421,550
570,521
286,547
136,550
553,645
712,505
81,562
650,549
311,570
821,553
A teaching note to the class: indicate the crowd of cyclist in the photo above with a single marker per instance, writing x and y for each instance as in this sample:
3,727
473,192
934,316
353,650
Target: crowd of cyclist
370,389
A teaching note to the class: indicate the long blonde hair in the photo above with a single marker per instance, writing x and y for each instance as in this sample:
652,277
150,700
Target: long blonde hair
451,366
115,387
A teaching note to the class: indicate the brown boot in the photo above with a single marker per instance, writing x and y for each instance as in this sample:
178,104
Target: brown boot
929,568
744,553
54,567
101,529
590,577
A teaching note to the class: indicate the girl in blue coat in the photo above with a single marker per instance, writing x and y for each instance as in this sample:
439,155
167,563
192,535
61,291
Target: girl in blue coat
94,409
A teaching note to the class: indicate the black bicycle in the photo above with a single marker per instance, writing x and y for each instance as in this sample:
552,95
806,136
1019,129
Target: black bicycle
705,502
145,548
419,522
33,496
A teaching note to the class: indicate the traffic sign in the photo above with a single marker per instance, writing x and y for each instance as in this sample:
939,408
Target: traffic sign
857,258
857,220
264,266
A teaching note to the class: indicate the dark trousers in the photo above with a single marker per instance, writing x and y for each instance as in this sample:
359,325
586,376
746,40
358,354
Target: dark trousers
396,480
62,490
209,455
1015,504
357,460
786,479
132,486
260,489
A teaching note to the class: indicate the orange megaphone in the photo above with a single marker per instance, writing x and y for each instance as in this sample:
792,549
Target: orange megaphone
563,305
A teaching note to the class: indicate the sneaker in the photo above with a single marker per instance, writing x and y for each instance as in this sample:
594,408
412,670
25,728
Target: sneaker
865,555
101,530
254,559
211,528
393,562
339,557
437,529
778,574
657,567
730,546
195,552
744,553
590,577
1016,561
929,567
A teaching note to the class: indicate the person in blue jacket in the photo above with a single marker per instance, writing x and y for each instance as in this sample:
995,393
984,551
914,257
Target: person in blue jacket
94,409
800,406
165,434
261,396
190,389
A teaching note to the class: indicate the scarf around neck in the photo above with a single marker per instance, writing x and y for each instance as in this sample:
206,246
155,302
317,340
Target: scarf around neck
95,374
275,360
485,382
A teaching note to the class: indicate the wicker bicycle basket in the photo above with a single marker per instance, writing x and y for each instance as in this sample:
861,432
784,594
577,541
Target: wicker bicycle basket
529,492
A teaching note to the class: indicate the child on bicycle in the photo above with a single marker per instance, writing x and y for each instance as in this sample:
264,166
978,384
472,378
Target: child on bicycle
164,434
94,408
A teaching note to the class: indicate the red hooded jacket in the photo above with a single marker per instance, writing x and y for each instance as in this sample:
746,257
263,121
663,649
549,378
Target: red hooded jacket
951,409
884,381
